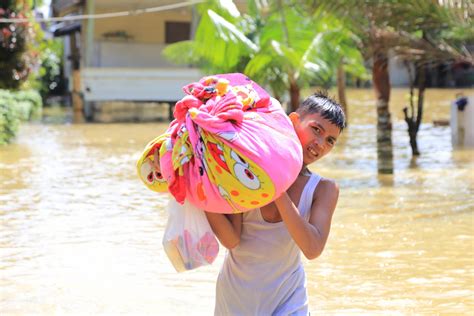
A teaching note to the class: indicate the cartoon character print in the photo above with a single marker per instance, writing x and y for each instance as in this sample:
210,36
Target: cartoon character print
242,183
199,154
218,87
182,152
208,88
148,166
246,95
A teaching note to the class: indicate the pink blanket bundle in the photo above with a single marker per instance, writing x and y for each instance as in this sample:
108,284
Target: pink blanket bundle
230,149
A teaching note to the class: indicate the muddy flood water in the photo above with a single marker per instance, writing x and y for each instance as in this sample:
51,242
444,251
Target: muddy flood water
81,235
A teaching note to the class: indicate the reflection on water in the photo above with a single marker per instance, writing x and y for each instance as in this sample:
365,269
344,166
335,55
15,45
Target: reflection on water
79,234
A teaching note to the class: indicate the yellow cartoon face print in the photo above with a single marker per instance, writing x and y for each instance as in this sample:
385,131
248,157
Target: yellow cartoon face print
148,166
182,151
246,95
240,181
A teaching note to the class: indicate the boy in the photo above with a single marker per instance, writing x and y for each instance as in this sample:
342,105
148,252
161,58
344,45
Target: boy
262,273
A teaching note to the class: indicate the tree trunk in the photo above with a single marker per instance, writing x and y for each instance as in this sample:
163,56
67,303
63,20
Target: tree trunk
294,95
410,118
381,81
413,143
421,93
419,114
341,88
294,89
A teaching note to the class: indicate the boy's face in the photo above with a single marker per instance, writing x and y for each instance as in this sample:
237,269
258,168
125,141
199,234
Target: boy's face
317,135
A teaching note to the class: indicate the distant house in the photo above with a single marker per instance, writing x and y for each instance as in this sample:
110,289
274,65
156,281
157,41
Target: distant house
116,62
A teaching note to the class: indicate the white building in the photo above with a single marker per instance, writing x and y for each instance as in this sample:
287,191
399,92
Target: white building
116,62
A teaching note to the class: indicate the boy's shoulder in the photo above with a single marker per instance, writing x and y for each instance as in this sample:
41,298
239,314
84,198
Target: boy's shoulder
326,187
325,197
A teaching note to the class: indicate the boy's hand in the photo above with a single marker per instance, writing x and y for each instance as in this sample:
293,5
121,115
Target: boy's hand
155,164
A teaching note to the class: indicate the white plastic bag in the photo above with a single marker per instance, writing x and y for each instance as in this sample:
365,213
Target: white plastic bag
189,241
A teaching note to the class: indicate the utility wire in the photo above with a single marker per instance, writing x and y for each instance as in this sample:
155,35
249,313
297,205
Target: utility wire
104,15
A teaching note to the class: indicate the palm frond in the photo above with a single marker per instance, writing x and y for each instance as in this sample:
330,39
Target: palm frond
221,42
182,53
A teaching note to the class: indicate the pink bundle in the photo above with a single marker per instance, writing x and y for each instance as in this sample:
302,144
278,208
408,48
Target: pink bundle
230,149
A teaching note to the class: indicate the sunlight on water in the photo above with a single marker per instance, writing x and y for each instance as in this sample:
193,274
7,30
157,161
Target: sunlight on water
80,234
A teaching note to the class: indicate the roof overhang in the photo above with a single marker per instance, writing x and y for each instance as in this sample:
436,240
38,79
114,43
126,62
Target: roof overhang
63,28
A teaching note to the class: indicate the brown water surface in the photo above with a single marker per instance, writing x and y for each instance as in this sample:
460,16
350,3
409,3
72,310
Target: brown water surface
80,235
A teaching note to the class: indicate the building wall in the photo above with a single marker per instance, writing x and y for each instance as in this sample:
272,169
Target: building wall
144,41
129,55
144,28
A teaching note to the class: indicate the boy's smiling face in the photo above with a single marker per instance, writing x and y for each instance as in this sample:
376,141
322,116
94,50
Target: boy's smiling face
317,135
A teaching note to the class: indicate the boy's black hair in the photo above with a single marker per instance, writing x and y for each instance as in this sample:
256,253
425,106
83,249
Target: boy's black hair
321,103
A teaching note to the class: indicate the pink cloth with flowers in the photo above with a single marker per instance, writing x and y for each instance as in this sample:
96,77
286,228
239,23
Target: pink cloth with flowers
230,149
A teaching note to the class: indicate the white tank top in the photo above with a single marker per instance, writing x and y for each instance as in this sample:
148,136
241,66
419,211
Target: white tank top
264,274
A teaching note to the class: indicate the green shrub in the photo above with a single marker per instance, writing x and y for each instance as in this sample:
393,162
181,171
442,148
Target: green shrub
9,120
34,103
16,107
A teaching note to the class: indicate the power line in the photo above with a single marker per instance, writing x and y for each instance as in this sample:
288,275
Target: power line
104,15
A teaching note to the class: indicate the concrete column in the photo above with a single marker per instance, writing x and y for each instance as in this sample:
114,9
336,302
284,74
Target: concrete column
89,40
88,51
77,100
462,121
194,21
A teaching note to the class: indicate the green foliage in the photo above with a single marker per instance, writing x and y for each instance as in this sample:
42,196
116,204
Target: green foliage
274,44
447,26
182,53
305,48
49,75
16,107
16,55
9,120
228,42
32,103
220,44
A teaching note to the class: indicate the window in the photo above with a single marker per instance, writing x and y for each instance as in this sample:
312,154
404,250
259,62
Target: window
177,31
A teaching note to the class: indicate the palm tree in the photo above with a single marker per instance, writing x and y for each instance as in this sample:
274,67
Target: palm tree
440,38
390,26
281,46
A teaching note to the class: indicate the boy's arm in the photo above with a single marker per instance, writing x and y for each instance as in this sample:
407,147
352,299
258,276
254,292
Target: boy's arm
311,237
227,228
